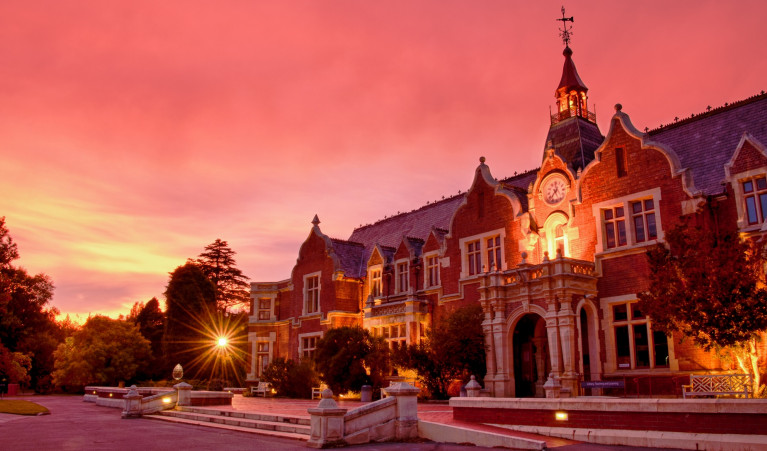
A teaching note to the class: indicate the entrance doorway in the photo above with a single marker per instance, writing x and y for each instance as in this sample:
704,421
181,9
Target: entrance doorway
531,356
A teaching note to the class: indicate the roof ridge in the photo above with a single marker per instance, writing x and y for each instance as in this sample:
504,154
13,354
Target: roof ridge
520,175
423,207
341,240
710,112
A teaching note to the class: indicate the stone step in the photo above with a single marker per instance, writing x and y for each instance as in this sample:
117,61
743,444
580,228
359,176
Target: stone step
256,425
208,424
289,419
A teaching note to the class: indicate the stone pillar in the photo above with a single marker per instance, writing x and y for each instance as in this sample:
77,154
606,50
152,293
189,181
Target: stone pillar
569,337
406,421
132,403
501,379
327,423
540,365
552,386
487,328
473,388
184,394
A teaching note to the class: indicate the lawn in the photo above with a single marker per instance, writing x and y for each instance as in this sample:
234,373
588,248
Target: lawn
19,407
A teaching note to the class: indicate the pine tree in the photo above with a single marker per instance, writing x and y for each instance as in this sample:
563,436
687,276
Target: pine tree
218,264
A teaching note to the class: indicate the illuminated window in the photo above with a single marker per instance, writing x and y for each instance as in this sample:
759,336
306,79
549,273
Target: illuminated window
474,253
643,215
395,335
636,344
264,309
614,226
755,197
432,271
375,282
493,252
262,356
311,294
402,277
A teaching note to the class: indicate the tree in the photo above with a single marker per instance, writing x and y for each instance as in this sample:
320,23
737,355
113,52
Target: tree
454,349
341,358
104,351
291,379
14,366
218,264
190,319
708,285
151,324
27,321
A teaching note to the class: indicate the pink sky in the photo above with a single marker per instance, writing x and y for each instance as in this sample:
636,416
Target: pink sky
133,133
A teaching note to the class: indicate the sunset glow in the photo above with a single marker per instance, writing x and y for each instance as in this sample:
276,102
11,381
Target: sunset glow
134,133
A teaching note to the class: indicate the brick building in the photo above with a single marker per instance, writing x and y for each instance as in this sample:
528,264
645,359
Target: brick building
555,255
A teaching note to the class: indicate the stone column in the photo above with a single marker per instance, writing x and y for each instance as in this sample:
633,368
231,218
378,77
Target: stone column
540,364
406,421
501,379
569,337
132,403
487,328
327,423
552,386
184,394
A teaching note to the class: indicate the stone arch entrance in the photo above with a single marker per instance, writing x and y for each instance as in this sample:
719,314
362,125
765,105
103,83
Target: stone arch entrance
531,356
589,366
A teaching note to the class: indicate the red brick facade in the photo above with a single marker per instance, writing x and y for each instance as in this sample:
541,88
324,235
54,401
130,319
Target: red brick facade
555,255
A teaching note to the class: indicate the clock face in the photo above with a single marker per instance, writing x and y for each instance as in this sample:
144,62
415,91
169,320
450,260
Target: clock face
554,190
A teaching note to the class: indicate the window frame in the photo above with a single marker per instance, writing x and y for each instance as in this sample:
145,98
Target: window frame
310,338
631,323
402,276
626,203
432,275
375,278
307,297
479,252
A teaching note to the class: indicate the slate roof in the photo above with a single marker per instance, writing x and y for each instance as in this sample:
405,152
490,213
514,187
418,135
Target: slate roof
574,139
414,224
351,256
706,142
519,184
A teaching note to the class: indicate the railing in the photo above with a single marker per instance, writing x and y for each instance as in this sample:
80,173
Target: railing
558,266
566,114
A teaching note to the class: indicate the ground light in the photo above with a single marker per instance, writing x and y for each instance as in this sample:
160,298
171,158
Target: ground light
560,416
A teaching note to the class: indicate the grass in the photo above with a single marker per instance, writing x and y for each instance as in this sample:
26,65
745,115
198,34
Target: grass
20,407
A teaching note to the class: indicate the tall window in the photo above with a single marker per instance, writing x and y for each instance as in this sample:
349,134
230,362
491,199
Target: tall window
615,227
643,215
620,161
262,356
474,253
395,335
402,277
432,271
264,309
312,294
309,346
375,283
494,253
636,344
755,194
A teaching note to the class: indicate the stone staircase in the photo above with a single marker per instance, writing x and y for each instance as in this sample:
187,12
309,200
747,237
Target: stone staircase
284,426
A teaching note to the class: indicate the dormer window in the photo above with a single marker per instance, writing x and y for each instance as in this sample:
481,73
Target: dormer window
375,282
402,277
432,271
311,293
755,198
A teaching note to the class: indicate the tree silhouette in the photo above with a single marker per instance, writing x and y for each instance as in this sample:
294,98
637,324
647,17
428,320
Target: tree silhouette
218,264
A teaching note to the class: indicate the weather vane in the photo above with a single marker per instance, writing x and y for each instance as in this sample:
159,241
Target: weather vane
565,31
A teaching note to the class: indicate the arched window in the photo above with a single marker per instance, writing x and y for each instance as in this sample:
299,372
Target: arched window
556,234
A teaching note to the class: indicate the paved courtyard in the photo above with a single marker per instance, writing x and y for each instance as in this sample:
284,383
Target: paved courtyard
77,425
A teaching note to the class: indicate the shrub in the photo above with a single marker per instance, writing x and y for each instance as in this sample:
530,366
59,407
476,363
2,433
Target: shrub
291,379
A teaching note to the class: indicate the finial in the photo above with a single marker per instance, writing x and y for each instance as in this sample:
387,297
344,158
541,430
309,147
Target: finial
565,31
482,160
316,221
618,107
